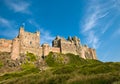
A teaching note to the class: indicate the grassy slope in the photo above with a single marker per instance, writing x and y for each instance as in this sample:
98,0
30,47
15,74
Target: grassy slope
67,69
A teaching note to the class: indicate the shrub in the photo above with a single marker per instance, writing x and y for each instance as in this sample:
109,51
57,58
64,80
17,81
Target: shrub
31,56
27,66
49,60
1,64
52,61
75,59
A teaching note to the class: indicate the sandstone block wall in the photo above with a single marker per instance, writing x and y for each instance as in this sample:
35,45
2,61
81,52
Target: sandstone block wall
15,49
54,49
68,47
5,45
30,42
72,45
46,49
88,53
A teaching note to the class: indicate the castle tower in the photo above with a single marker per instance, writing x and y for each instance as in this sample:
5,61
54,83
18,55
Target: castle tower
15,49
21,36
56,42
46,49
21,30
38,37
29,42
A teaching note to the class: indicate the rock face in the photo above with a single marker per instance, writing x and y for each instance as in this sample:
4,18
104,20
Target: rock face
30,42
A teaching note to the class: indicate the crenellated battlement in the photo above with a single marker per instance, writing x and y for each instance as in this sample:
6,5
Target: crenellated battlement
30,42
73,45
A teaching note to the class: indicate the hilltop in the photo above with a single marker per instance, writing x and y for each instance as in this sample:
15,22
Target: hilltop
58,68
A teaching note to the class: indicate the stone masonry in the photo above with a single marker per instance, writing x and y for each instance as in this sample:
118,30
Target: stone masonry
72,45
30,42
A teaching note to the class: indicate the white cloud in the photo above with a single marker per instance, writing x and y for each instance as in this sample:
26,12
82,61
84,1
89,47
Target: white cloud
89,26
45,36
96,21
18,6
7,28
4,22
102,16
93,39
109,23
33,22
107,26
91,23
92,19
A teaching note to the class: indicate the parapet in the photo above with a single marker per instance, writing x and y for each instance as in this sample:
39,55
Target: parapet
85,46
45,45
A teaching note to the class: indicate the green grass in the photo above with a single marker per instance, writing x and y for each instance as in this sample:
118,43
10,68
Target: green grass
63,78
75,71
52,61
31,57
19,74
64,70
1,64
27,65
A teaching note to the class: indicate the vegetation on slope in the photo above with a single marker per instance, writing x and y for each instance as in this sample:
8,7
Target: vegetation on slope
1,64
66,69
31,57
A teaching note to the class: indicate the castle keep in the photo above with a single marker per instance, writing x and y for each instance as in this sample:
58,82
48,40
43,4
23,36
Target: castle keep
30,42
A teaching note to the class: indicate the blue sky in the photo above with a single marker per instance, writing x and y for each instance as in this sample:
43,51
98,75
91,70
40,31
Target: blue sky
95,22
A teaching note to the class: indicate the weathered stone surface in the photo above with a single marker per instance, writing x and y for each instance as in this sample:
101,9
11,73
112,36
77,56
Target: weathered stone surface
73,45
5,45
30,42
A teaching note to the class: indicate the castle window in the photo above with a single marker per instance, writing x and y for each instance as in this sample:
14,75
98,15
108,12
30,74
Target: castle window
30,42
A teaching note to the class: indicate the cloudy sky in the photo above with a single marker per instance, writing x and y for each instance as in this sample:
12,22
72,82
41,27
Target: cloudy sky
95,22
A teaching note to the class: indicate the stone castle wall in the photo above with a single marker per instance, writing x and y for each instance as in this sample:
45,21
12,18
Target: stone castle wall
5,45
54,49
88,53
67,47
15,50
72,45
30,42
47,49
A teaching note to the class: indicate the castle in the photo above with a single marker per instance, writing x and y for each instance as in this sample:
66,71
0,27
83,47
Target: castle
30,42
